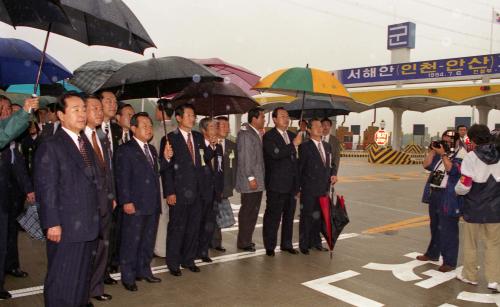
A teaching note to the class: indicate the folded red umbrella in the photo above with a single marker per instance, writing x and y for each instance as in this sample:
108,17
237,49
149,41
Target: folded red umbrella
335,218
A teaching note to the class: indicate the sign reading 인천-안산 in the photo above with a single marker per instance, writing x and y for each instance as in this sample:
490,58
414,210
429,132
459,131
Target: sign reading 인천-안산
401,35
431,70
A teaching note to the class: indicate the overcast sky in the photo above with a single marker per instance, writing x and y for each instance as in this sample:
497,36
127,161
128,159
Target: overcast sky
265,35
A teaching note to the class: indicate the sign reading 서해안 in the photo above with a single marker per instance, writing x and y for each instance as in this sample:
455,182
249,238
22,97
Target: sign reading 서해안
401,35
435,69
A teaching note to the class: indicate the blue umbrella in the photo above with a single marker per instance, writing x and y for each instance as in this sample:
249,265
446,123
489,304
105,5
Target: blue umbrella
20,61
55,89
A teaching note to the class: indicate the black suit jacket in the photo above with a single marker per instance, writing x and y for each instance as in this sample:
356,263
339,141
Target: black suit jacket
179,175
136,181
48,130
66,188
28,148
314,175
212,179
230,150
106,191
14,180
281,162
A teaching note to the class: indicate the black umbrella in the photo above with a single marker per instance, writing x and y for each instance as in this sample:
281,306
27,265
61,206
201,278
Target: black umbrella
157,77
97,22
316,106
215,98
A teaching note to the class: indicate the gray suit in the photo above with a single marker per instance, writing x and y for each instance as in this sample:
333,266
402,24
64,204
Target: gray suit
250,164
335,146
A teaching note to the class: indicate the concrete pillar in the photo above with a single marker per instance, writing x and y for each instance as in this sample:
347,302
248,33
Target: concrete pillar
237,124
397,130
483,112
333,130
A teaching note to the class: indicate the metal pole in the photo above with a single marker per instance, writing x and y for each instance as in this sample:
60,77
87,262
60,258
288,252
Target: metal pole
39,73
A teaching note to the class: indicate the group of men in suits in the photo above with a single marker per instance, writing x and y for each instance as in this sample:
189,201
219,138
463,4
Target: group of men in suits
80,180
100,186
288,167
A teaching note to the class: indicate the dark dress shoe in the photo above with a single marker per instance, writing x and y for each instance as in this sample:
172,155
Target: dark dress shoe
103,297
131,287
152,279
292,251
206,259
426,258
110,281
445,268
89,304
304,251
193,268
270,252
4,294
321,248
252,244
17,273
175,272
248,249
220,249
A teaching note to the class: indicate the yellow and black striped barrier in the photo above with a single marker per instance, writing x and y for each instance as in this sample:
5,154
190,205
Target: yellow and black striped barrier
414,149
354,154
381,155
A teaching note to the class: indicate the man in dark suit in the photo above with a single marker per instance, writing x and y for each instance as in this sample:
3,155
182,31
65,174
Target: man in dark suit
326,123
111,133
250,177
52,124
20,190
122,126
282,182
106,196
229,160
212,181
182,187
66,188
138,190
29,143
316,175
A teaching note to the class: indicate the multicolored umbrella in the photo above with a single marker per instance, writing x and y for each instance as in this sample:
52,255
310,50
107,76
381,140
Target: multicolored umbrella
297,80
303,80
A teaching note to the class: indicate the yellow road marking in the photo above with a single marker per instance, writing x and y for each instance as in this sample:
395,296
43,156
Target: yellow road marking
408,223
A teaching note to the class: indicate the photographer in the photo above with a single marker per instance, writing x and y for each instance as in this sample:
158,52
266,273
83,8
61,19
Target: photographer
480,185
443,161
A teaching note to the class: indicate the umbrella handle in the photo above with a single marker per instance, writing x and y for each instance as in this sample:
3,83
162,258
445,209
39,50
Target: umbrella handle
39,73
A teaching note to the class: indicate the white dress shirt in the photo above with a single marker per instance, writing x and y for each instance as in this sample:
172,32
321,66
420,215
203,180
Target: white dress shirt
141,144
73,136
88,133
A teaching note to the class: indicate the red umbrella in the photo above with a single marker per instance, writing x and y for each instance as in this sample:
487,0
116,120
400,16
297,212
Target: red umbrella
238,75
335,218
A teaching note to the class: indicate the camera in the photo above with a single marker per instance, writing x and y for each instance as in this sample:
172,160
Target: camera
444,144
437,178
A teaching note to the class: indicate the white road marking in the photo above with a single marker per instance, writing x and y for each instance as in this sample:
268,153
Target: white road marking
479,297
323,285
163,268
438,278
